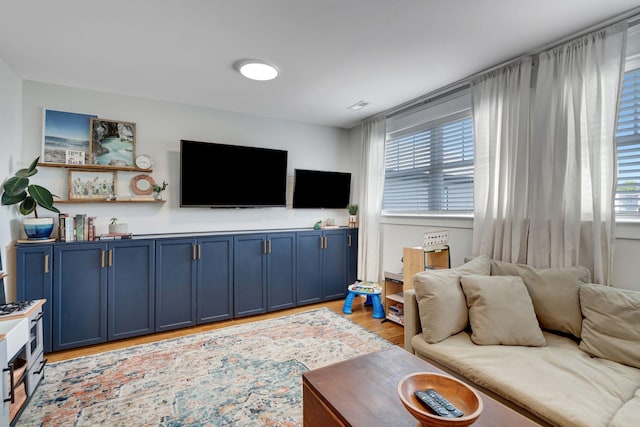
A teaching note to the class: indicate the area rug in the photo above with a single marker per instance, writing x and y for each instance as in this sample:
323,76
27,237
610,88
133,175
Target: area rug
243,375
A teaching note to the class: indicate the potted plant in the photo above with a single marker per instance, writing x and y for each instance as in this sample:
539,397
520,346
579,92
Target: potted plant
158,189
17,189
117,228
353,212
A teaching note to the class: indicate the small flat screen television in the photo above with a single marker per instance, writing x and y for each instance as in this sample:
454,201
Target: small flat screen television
321,189
231,176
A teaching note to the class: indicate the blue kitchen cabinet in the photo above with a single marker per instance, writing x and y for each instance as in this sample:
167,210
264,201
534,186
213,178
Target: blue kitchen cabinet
352,250
322,265
34,280
130,278
194,280
79,295
264,273
214,284
175,283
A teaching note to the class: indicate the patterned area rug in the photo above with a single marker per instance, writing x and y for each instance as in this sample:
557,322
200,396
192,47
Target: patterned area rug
243,375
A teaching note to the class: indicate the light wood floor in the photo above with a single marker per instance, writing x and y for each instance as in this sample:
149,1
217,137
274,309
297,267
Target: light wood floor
361,315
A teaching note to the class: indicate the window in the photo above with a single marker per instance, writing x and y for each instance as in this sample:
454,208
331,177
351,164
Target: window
628,140
627,200
429,159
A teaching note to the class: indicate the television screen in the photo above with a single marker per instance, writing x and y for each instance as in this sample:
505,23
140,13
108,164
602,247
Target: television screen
321,189
231,176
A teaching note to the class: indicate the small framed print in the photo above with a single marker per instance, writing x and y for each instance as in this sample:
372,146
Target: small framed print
113,143
91,185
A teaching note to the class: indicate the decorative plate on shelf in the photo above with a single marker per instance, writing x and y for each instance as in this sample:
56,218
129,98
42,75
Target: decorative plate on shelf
142,185
144,161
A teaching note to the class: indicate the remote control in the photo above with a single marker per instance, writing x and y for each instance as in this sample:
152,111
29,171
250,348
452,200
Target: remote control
444,402
432,404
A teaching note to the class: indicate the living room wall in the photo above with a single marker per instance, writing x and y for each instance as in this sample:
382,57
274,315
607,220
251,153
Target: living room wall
159,128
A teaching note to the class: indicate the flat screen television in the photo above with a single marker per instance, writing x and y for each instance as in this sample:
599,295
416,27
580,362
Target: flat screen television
231,176
321,189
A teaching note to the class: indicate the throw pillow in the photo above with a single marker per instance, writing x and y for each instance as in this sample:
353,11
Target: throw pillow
610,325
555,293
501,312
441,303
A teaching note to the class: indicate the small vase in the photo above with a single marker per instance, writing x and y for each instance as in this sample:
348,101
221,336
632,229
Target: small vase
353,221
157,196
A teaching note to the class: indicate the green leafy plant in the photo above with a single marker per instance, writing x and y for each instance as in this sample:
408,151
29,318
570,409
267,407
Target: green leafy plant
159,188
113,221
18,190
352,209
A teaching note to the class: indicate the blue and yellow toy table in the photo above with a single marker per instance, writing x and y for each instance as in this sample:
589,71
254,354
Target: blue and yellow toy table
372,291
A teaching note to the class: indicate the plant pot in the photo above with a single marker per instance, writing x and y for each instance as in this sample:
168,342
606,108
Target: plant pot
117,228
37,228
353,221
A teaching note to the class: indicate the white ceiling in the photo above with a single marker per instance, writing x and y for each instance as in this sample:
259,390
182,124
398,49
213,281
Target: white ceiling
331,53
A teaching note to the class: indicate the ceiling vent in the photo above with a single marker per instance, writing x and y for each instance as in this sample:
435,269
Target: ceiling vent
358,105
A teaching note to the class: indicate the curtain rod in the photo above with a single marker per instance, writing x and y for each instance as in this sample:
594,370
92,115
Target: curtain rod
629,15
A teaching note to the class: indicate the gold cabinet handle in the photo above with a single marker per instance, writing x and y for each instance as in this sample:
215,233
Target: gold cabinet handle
269,246
264,247
110,257
102,253
199,251
194,254
326,242
46,263
349,240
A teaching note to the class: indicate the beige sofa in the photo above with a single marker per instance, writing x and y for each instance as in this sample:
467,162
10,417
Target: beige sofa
546,342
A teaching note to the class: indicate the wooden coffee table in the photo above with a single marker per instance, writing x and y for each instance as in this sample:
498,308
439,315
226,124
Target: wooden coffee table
363,392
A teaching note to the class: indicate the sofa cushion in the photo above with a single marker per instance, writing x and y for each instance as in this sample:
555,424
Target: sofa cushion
500,311
555,293
558,382
611,325
441,303
628,414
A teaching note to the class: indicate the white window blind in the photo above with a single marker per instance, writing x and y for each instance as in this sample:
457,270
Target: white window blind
627,200
429,159
628,141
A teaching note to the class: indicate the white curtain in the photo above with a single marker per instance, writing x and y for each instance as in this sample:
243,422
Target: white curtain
573,145
370,204
500,103
545,171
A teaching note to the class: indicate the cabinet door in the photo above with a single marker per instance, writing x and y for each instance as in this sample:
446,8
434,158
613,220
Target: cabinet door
79,295
352,250
249,275
175,283
309,267
214,279
334,266
34,280
130,298
281,254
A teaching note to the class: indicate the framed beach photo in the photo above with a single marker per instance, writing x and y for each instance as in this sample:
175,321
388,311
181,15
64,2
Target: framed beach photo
91,185
66,137
113,143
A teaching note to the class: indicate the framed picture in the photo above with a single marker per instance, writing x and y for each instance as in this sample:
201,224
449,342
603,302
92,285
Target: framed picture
113,143
66,137
91,185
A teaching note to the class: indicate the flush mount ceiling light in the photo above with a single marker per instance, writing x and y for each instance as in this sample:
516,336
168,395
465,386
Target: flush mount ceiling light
256,69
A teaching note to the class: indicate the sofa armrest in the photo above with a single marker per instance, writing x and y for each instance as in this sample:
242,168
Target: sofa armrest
412,324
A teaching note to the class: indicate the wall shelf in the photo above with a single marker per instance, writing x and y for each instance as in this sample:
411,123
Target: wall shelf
109,201
95,167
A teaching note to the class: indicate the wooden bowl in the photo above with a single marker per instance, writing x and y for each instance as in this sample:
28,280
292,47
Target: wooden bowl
459,394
